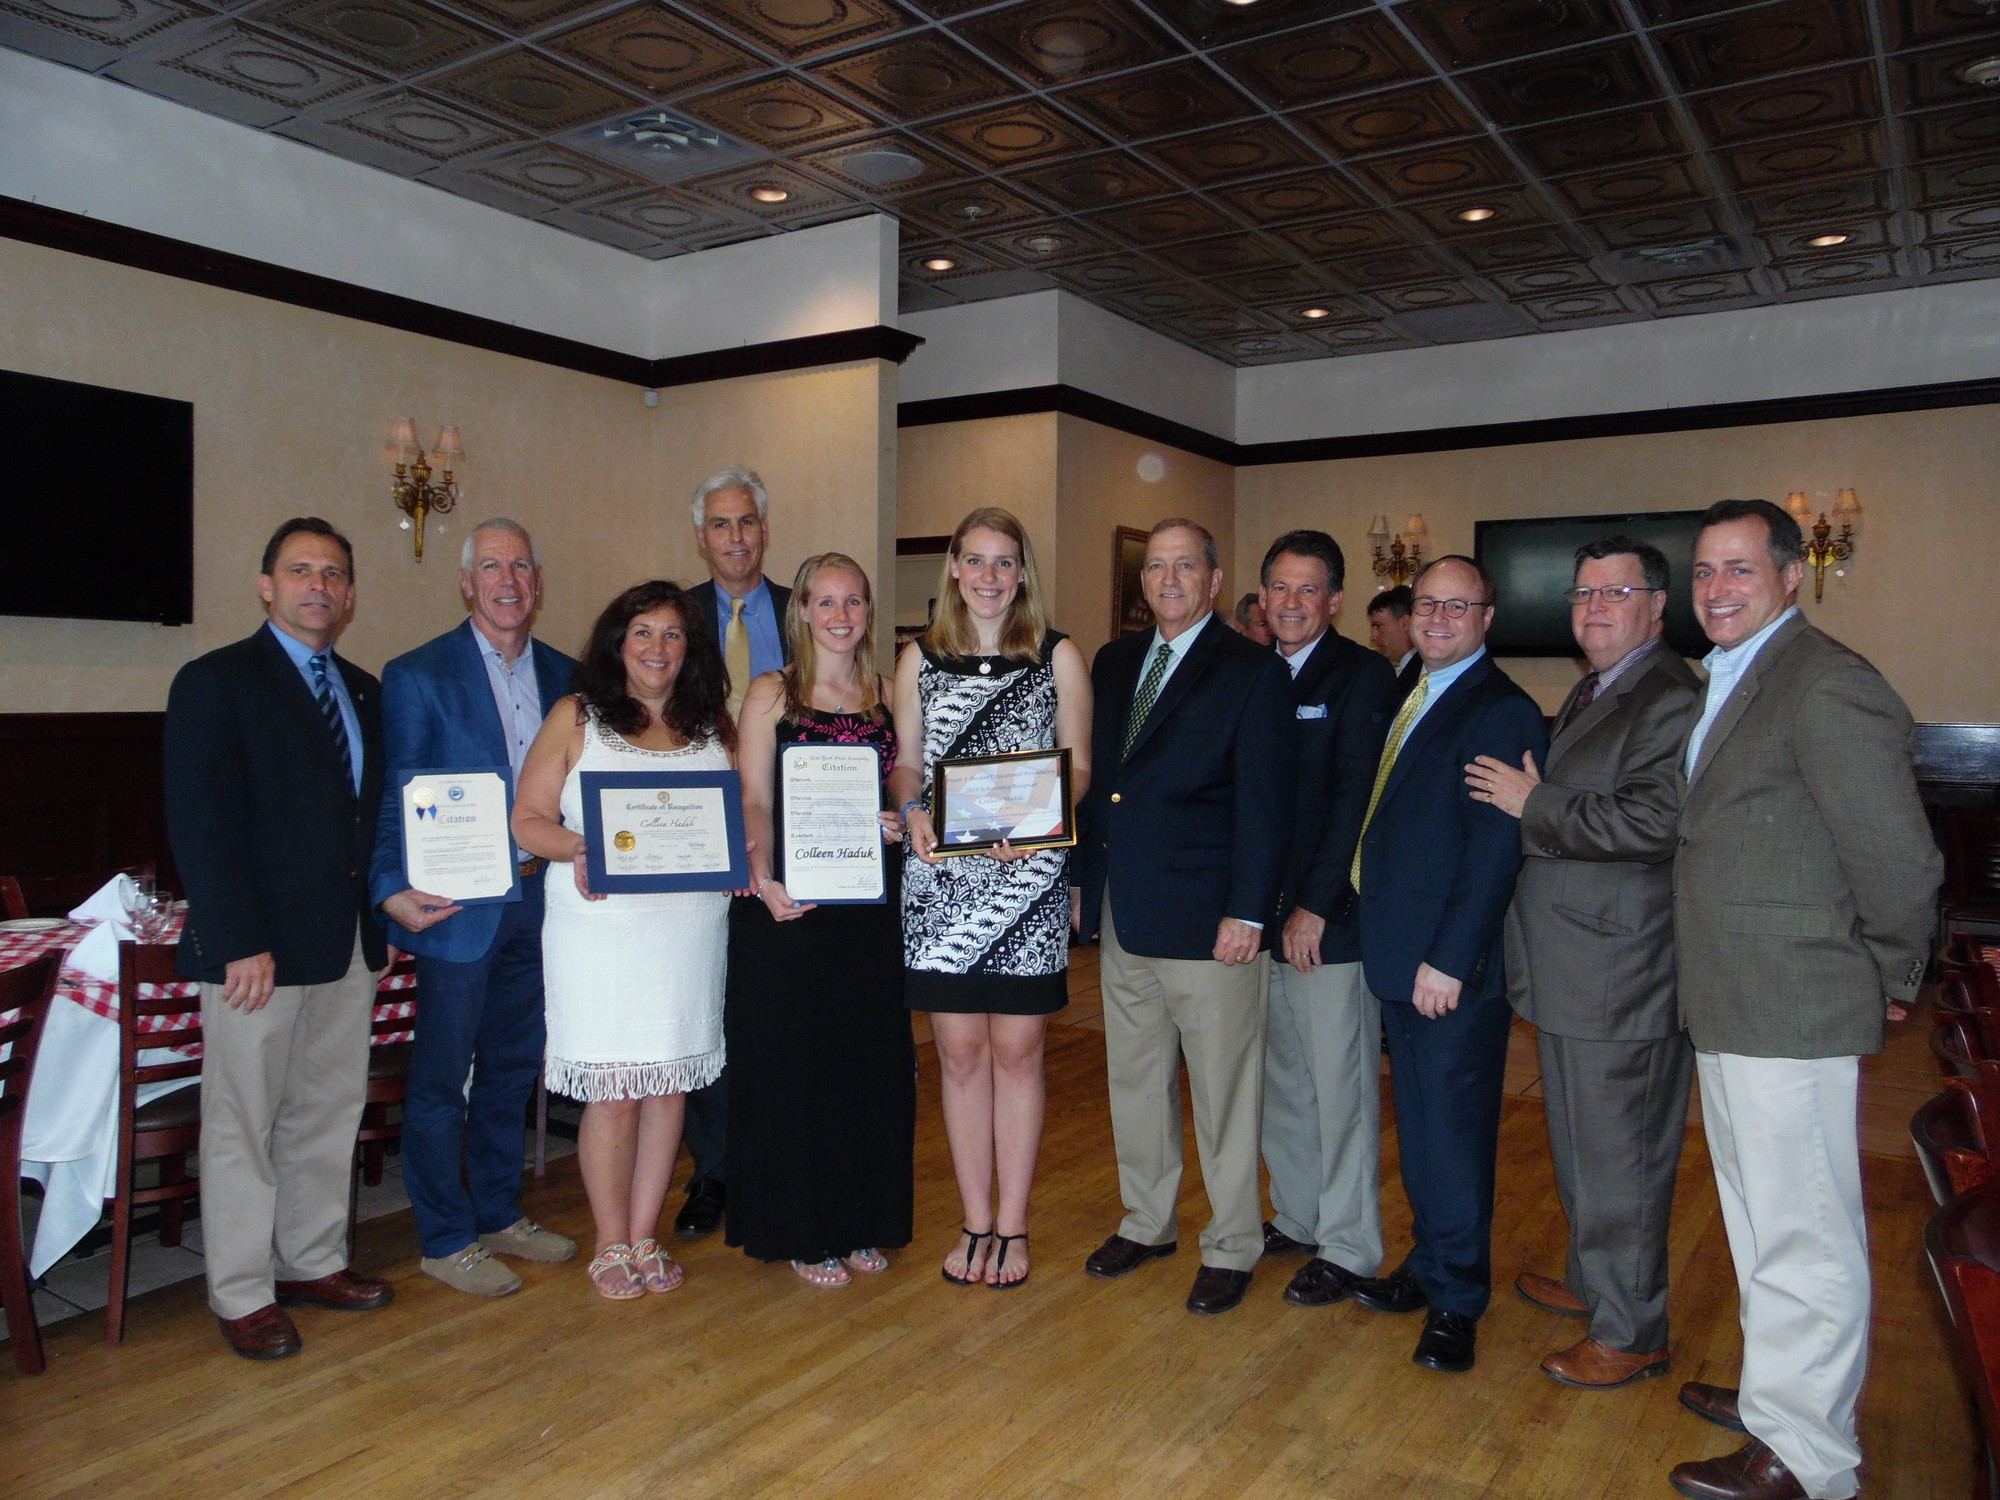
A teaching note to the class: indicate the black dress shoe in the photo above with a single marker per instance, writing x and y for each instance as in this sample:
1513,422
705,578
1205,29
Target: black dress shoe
702,1213
1447,1341
1118,1255
1216,1290
1397,1292
1320,1283
1277,1242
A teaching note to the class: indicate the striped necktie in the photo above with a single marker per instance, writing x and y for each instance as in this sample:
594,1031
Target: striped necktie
1149,693
329,706
736,656
1398,728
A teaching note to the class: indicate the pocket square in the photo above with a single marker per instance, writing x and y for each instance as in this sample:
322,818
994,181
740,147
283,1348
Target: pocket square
1312,710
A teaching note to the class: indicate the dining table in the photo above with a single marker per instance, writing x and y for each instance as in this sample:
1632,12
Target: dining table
69,1136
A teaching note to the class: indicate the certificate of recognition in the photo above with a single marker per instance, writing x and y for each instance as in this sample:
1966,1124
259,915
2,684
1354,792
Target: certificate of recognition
1024,798
653,831
456,840
831,849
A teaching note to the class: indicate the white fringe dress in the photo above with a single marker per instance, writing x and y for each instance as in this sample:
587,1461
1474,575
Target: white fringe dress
634,982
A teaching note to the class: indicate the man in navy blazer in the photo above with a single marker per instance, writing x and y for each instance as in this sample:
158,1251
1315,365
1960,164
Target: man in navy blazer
473,697
1183,851
1435,870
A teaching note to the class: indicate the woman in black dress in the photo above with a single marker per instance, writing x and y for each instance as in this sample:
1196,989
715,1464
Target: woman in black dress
986,936
822,1093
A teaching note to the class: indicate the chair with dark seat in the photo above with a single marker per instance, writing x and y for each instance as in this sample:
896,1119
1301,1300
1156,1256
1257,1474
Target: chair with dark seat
388,1083
24,1006
166,1129
1963,1240
1952,1133
1966,1044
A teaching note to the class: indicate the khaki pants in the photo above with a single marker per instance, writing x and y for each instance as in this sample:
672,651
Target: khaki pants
1155,1010
281,1096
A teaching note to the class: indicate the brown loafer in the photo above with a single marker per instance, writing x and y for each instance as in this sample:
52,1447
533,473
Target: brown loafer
1713,1403
1118,1255
1217,1289
1591,1366
343,1291
1550,1295
1752,1472
267,1333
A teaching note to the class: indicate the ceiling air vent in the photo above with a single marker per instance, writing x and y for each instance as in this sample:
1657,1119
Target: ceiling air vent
1687,258
664,146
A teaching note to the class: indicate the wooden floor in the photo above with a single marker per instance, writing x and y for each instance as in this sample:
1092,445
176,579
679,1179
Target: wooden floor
749,1383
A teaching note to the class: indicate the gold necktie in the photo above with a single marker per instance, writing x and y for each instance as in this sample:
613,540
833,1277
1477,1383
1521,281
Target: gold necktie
736,656
1400,726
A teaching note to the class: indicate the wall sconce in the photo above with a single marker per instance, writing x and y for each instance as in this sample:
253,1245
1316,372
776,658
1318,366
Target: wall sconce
1823,548
412,490
1397,561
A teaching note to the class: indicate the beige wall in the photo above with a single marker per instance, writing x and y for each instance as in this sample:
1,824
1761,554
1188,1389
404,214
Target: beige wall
1918,599
291,409
948,469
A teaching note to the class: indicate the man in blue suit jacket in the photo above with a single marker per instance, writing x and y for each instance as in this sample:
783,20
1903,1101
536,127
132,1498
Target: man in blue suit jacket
1435,870
475,696
1181,860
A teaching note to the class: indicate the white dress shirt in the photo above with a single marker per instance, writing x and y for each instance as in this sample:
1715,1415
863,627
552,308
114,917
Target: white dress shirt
1725,670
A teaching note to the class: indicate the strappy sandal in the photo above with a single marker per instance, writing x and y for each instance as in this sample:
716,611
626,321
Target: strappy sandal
603,1272
971,1247
659,1271
1000,1262
832,1273
869,1262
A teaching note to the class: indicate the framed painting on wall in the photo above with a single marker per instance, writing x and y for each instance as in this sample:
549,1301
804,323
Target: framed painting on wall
1129,611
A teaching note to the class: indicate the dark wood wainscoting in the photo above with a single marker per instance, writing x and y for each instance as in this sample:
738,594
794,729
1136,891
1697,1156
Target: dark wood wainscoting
1958,765
80,797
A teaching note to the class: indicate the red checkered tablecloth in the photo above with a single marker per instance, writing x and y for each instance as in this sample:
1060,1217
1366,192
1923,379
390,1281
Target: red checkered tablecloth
100,996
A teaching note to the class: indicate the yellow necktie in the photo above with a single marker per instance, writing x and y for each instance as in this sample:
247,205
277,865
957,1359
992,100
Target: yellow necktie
1400,726
736,656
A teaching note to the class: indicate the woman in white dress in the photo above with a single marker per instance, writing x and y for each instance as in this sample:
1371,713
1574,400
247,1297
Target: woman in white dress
634,982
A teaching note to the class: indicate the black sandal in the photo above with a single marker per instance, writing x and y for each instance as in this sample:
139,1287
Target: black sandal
972,1244
1000,1262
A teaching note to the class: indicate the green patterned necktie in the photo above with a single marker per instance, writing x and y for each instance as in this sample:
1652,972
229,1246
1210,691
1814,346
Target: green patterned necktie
1149,692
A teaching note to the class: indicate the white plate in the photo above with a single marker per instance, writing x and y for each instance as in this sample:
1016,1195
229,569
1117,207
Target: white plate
33,924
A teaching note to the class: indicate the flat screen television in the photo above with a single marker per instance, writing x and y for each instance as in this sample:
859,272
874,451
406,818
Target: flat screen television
1533,561
97,519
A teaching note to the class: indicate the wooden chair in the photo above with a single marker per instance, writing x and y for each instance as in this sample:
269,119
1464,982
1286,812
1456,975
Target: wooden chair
24,1006
1952,1133
167,1130
388,1083
13,905
1963,1240
1964,1044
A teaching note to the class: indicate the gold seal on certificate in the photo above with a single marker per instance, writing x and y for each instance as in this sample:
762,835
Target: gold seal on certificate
1023,798
456,841
829,798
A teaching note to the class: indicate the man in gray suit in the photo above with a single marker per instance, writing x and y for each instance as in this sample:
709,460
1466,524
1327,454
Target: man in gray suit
1590,959
1803,891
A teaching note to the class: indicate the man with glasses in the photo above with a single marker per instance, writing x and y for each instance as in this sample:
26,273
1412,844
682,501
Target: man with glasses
1435,870
1590,959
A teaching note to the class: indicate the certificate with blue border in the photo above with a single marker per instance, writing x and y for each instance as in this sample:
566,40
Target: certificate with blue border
458,839
654,831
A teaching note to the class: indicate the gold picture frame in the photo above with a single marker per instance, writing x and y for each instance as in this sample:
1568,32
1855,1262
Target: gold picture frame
980,801
1130,613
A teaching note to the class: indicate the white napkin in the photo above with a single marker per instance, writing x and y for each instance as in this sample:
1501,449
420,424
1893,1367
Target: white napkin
97,954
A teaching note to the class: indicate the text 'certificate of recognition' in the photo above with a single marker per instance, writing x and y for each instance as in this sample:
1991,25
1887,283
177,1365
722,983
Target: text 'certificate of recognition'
664,831
456,841
829,796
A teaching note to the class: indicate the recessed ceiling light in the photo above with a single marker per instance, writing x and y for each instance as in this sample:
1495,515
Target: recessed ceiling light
1475,215
1314,312
939,263
1825,241
1046,244
770,192
1239,2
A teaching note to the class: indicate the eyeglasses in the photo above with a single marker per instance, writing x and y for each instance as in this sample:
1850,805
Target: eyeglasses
1616,593
1453,609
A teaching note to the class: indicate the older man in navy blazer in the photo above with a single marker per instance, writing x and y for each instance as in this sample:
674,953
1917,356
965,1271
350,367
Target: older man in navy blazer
475,696
1435,871
1185,833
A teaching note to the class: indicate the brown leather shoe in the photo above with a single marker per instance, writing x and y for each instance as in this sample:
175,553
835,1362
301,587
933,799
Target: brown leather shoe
1591,1366
1550,1295
1118,1255
1752,1472
1217,1289
267,1333
1713,1403
343,1291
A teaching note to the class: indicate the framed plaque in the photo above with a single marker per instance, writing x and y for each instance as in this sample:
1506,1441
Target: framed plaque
830,853
1023,798
653,831
457,839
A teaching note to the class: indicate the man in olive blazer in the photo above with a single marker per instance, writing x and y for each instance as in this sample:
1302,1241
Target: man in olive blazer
1590,959
1803,891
